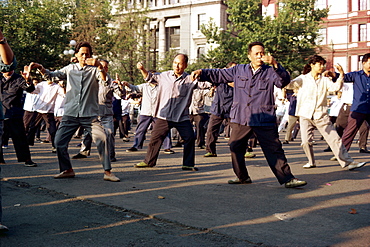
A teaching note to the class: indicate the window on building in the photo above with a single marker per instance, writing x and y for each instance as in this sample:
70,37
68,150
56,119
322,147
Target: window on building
362,32
320,4
201,51
201,20
362,4
172,37
154,39
321,39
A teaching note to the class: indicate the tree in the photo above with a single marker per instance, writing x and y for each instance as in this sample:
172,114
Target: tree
90,22
130,41
34,30
290,36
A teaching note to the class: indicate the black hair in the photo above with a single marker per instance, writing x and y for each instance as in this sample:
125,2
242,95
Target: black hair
83,44
313,60
254,44
365,58
186,58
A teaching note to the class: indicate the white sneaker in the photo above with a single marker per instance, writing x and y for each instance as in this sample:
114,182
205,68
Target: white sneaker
355,165
333,158
3,228
308,165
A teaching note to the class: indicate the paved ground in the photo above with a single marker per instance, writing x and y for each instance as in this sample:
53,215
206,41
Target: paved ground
165,206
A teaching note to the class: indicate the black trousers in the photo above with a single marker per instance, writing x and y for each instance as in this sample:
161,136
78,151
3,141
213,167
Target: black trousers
50,125
160,130
213,131
16,130
200,130
268,139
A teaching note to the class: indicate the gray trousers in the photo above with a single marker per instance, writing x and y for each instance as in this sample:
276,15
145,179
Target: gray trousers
107,122
292,120
327,130
68,127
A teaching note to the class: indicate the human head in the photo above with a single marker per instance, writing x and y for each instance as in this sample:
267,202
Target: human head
231,64
180,63
366,63
83,51
312,60
105,64
256,50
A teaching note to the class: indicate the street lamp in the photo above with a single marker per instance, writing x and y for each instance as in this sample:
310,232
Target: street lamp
71,51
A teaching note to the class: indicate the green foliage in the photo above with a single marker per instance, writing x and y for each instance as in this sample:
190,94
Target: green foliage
290,37
90,19
129,43
34,31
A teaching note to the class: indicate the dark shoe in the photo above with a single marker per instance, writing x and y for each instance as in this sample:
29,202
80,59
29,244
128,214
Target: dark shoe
285,142
44,141
113,159
65,174
168,151
142,165
294,182
125,139
79,156
364,150
238,181
38,140
53,150
210,155
189,168
328,149
132,149
79,145
30,164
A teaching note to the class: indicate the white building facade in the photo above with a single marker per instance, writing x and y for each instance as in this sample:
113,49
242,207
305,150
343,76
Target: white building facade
175,24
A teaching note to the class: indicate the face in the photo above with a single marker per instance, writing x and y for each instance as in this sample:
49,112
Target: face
317,68
82,54
366,66
255,55
179,65
105,65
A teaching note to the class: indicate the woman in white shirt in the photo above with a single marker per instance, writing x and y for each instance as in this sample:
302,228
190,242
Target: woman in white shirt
312,110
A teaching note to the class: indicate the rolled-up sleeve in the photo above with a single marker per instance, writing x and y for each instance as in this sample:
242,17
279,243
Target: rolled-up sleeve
8,67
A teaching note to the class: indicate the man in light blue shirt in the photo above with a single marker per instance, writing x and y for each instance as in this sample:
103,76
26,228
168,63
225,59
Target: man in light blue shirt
81,108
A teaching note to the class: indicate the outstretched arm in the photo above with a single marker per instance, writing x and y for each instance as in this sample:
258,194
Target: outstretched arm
6,52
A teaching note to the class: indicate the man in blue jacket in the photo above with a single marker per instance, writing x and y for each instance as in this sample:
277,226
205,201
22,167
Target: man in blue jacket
253,111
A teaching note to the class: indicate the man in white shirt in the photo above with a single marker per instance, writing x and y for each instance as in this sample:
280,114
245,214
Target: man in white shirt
47,92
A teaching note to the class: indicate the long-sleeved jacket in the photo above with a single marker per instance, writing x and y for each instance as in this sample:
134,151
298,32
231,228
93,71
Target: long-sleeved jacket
253,102
223,100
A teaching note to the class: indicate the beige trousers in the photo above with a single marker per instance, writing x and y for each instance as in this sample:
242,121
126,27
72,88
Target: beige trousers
327,130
